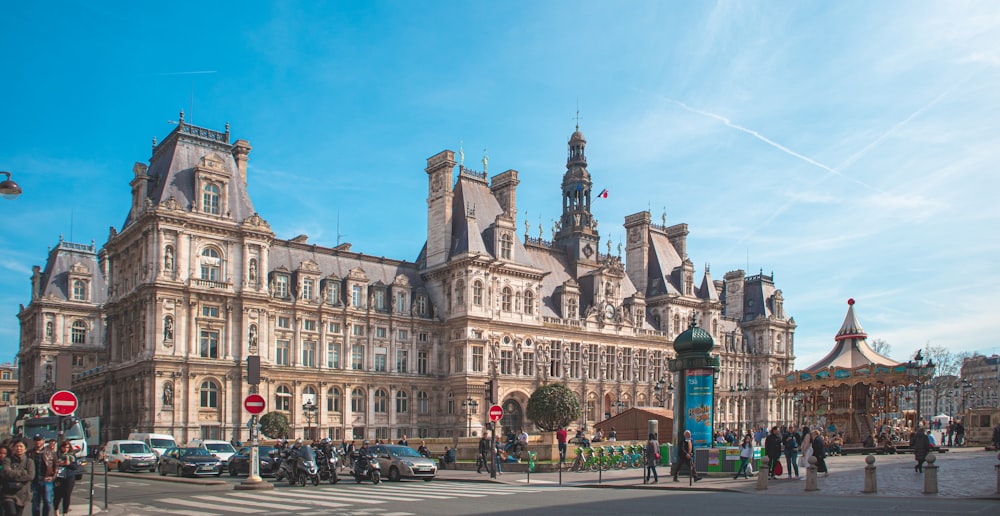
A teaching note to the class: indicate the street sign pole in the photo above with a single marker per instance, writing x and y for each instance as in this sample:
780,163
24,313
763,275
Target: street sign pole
254,452
254,404
493,450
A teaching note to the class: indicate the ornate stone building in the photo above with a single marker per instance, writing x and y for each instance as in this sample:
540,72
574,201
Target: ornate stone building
195,281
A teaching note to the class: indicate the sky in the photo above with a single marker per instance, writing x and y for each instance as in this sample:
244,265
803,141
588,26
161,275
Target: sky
848,147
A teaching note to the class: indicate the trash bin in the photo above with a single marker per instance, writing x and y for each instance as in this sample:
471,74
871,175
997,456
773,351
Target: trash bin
531,461
666,451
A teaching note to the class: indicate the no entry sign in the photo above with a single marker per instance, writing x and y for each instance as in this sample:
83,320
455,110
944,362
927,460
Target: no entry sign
254,403
496,413
63,403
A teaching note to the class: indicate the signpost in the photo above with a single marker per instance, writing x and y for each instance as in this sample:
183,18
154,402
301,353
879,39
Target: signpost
254,404
496,413
63,403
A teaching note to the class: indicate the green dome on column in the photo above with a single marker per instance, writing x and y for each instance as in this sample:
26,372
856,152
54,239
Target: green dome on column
694,340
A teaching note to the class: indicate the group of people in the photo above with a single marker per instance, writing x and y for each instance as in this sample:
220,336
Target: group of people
796,445
44,475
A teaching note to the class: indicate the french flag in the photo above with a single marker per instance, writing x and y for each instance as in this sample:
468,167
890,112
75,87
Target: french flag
603,194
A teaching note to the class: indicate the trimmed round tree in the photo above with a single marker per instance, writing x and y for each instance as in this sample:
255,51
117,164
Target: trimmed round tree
553,406
274,425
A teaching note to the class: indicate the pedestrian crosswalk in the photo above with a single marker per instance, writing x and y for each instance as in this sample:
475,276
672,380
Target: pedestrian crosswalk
344,498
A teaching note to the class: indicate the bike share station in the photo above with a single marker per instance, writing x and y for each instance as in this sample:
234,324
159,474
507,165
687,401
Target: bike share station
254,404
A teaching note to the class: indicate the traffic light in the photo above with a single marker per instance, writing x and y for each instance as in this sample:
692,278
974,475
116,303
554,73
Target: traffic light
253,370
489,392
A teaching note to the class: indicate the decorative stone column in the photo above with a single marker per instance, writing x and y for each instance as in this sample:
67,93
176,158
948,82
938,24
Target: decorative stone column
871,482
811,481
931,475
765,468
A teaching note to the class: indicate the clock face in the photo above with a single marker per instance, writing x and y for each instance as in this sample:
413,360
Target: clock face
609,311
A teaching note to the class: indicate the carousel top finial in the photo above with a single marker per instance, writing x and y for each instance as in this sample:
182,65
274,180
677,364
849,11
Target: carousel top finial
850,302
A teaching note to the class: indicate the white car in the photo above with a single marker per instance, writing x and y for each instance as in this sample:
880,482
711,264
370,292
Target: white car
130,456
217,447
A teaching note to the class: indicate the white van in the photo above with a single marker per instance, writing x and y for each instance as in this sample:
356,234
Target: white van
157,442
129,455
221,449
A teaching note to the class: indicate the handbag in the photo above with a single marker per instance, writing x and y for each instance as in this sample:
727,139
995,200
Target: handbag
657,456
777,468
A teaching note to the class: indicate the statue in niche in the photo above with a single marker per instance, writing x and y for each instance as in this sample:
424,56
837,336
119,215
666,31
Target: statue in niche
494,352
252,340
518,357
253,270
168,394
565,368
168,328
168,259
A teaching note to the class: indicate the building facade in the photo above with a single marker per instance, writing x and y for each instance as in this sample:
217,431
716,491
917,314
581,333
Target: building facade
165,314
8,384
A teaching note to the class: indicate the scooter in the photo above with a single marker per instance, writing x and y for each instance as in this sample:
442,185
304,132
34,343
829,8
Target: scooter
286,468
328,461
366,466
307,470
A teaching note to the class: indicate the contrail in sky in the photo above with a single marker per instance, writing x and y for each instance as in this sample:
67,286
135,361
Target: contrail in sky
197,72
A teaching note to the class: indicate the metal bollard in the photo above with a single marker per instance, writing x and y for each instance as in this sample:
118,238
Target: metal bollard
871,482
930,475
997,467
811,482
762,475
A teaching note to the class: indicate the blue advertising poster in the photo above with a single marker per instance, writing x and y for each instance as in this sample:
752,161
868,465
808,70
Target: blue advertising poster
698,406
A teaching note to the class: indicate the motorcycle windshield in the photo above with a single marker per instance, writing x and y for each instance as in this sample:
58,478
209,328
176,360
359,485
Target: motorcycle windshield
307,453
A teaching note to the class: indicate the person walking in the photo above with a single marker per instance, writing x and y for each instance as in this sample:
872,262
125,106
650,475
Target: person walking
806,445
772,448
499,453
484,455
746,453
996,438
45,472
17,472
561,439
792,453
819,451
685,455
65,477
921,446
652,450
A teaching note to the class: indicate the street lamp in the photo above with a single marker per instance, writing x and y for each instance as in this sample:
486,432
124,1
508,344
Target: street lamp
662,390
620,405
469,406
917,369
739,391
8,188
309,409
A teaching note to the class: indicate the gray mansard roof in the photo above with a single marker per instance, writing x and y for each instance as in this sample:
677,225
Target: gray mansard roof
62,259
474,212
331,262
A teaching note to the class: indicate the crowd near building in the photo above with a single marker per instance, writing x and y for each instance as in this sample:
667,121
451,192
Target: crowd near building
159,320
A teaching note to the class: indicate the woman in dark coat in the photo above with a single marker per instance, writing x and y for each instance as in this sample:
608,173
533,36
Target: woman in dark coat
66,479
819,451
17,473
921,446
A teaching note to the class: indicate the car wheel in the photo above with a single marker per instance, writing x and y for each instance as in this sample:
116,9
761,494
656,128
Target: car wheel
315,481
219,474
121,467
151,470
232,471
179,472
163,472
394,475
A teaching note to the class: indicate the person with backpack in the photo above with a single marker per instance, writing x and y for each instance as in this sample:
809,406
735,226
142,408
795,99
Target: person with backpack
792,453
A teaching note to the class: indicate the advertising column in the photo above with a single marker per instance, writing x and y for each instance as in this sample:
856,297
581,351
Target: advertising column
698,405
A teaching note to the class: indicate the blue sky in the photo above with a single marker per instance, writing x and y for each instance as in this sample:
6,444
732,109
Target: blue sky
849,147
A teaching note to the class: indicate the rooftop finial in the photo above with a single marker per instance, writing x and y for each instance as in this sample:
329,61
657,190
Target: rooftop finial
182,118
486,161
577,114
461,154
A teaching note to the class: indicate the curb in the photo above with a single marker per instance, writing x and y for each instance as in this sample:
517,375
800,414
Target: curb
158,478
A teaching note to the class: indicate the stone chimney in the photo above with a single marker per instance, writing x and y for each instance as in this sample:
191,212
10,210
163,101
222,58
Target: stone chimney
241,151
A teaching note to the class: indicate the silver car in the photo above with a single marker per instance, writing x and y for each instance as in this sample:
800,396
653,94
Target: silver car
402,461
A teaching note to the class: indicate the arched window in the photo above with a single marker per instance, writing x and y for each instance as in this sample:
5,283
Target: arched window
451,403
529,302
423,403
381,401
79,290
677,323
477,293
78,333
209,394
459,292
506,244
309,394
283,398
402,403
211,264
210,199
505,299
357,401
333,400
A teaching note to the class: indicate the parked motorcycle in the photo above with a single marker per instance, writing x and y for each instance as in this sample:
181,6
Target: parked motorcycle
287,469
307,470
366,466
328,461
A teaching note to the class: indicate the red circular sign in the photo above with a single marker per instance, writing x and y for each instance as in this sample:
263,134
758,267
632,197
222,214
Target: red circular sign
63,403
496,413
254,403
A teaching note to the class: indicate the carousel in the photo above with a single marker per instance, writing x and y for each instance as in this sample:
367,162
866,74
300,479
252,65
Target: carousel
853,390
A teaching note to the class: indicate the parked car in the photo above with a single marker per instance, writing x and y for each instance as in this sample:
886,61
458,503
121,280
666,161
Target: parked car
189,462
157,442
129,456
239,463
400,462
221,449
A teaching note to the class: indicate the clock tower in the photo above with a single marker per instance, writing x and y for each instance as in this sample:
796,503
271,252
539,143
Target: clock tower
577,232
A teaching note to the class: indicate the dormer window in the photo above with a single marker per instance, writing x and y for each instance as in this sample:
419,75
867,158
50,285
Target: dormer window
572,309
379,296
79,290
333,292
506,245
281,286
356,295
210,199
78,333
307,289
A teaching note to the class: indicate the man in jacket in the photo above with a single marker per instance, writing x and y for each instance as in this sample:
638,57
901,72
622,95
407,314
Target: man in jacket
484,455
772,448
45,472
685,455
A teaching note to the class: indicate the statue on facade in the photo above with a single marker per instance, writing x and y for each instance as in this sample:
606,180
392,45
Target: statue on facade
494,352
253,271
252,338
168,328
518,357
168,260
168,394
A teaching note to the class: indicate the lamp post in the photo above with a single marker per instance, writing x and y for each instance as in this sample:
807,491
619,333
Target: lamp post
917,369
469,405
8,188
740,393
663,390
309,409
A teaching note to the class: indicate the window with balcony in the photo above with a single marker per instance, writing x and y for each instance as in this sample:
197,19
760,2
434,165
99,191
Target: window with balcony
211,265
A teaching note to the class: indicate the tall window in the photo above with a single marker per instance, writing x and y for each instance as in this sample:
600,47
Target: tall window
210,264
529,364
421,305
421,362
309,354
381,401
460,292
333,400
283,398
529,302
506,243
282,352
506,361
505,299
78,333
401,302
210,199
209,394
451,403
477,293
307,289
356,295
379,299
423,404
357,401
402,360
574,360
332,292
358,357
209,345
333,355
79,290
572,308
402,403
281,286
477,359
380,360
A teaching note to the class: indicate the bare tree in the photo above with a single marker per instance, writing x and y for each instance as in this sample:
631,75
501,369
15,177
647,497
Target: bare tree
947,364
881,347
